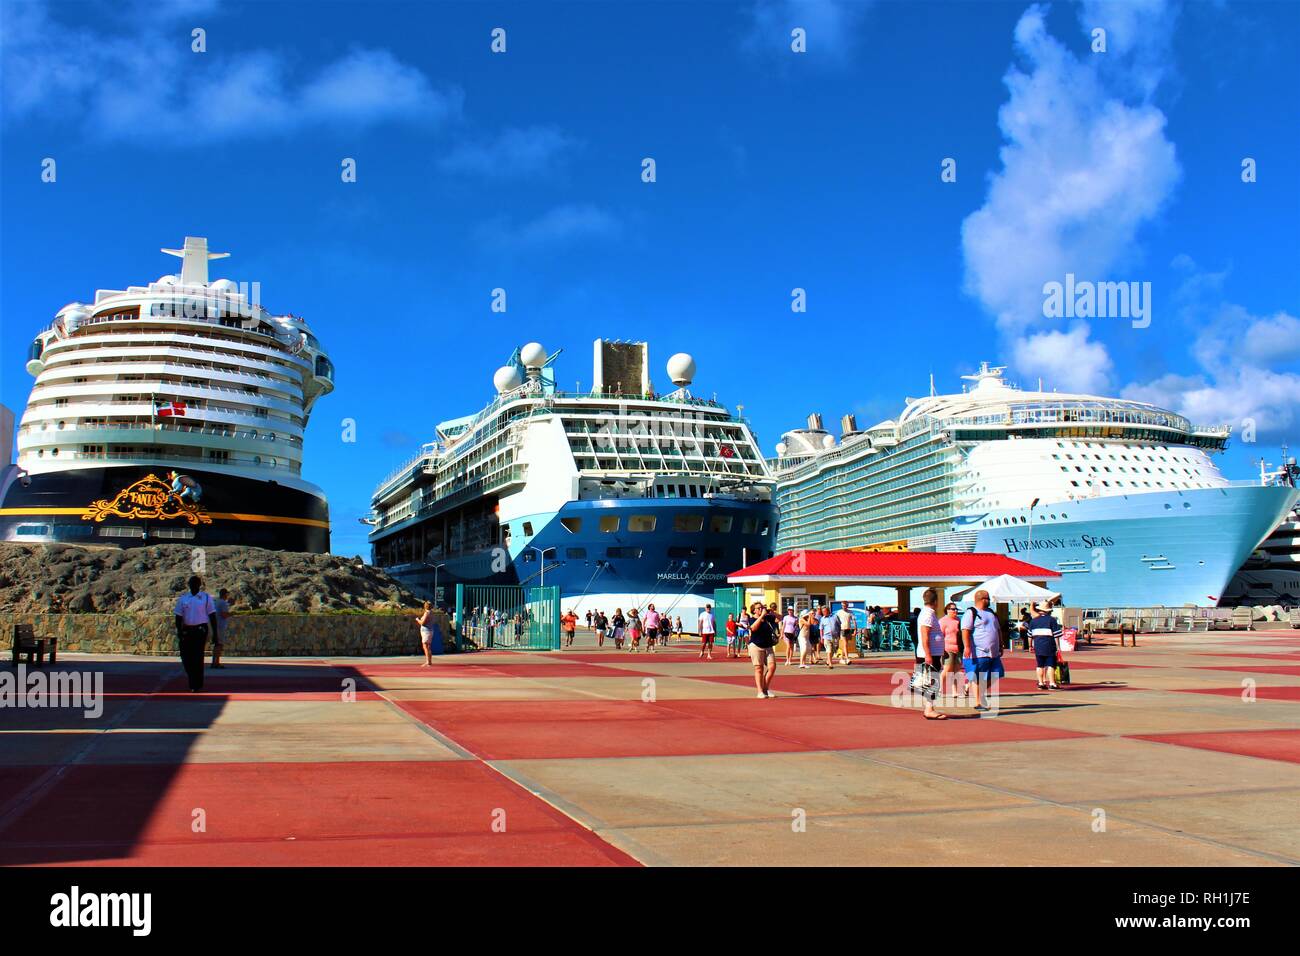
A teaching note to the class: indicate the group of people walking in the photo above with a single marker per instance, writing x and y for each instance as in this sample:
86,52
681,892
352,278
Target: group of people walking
629,629
959,654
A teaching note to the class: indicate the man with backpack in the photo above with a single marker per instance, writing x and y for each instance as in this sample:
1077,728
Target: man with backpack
981,649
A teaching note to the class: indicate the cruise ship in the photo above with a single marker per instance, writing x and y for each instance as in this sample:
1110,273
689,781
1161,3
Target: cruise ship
1271,575
1120,497
171,412
617,495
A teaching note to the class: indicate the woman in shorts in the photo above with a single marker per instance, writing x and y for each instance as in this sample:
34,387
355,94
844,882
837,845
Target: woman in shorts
807,637
620,628
601,623
950,624
425,621
634,629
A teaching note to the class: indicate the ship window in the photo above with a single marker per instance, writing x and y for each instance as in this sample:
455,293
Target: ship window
609,524
528,529
764,527
713,554
682,552
633,553
681,491
641,523
571,525
749,525
575,554
688,523
721,524
31,529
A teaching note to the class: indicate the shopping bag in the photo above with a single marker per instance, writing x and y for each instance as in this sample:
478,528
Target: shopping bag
1068,638
1062,671
925,681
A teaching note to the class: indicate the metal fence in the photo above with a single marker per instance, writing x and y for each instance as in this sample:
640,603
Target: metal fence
507,617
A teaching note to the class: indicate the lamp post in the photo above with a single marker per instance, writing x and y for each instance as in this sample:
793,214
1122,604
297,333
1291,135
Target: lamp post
435,579
541,555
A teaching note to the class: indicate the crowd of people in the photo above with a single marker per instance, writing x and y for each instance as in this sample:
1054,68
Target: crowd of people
628,630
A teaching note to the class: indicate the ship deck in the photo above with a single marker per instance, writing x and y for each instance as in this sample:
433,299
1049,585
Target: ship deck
565,749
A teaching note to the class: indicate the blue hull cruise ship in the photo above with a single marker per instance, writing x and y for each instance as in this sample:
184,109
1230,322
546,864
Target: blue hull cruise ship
1120,497
618,496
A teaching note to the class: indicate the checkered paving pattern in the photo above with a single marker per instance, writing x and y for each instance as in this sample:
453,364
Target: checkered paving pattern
1182,751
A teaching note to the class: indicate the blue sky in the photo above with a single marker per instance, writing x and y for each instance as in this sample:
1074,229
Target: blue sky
775,170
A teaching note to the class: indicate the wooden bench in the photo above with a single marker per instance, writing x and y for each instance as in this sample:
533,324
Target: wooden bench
26,642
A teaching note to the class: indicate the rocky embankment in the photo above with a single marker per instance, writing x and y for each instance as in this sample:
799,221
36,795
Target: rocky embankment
53,578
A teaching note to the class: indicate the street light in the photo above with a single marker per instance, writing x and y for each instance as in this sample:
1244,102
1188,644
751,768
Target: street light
435,579
541,555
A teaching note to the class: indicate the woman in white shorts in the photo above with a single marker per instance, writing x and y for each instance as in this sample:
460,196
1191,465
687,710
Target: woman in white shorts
425,621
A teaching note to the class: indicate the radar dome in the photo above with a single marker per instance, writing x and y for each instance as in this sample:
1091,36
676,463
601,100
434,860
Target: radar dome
828,441
533,355
224,285
166,280
780,449
681,369
506,378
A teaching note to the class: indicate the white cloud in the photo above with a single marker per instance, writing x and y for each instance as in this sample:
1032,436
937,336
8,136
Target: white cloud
516,152
144,85
831,27
1081,171
1066,360
1247,361
1084,166
1232,397
561,225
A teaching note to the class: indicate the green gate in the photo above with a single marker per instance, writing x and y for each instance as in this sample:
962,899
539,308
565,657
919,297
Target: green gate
727,601
507,617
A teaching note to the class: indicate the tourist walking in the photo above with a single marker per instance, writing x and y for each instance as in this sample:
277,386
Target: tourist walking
848,629
196,618
762,642
1045,631
569,623
602,627
807,636
929,651
982,649
733,635
634,627
743,624
619,623
222,604
652,622
708,629
829,626
790,631
679,631
951,627
426,622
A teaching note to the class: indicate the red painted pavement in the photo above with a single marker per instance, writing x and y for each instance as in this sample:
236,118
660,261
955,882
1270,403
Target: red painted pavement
1269,744
398,813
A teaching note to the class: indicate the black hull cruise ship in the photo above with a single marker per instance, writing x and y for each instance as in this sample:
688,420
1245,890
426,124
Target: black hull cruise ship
169,413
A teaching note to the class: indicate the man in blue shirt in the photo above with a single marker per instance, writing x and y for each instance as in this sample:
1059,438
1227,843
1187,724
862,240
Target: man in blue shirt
830,635
982,649
1045,631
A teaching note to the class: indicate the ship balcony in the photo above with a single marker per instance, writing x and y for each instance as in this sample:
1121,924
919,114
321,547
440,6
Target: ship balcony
142,433
273,465
508,479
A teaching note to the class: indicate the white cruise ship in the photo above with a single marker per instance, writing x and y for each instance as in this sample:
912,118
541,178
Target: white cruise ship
1120,497
172,411
619,496
1271,575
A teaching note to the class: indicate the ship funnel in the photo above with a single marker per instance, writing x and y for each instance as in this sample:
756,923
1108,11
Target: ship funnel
849,424
814,422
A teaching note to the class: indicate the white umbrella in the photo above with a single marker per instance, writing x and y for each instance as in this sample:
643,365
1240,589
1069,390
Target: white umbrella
1005,589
